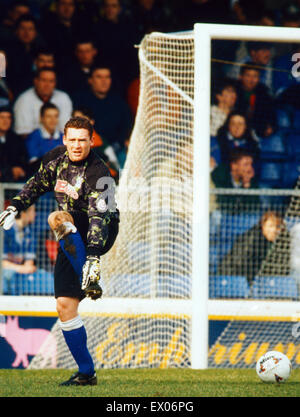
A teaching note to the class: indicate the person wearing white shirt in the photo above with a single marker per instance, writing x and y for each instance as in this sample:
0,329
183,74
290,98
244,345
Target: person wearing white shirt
28,104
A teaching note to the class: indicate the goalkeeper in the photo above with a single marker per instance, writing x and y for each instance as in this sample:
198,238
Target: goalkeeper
86,226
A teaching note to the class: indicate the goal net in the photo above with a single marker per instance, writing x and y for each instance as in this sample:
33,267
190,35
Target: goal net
179,290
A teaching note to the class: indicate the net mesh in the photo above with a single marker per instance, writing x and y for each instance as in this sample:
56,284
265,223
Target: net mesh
151,258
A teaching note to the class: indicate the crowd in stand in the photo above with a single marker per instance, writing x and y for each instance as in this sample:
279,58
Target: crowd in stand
78,57
81,55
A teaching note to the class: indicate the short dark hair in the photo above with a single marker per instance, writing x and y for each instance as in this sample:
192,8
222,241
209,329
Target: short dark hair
238,153
79,123
85,111
44,51
98,66
47,106
44,69
249,66
26,18
6,109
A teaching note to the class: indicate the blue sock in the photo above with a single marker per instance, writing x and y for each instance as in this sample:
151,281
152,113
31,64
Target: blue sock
75,336
74,249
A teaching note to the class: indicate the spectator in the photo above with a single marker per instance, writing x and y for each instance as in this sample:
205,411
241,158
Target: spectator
7,27
113,119
13,155
21,53
202,11
255,101
100,146
27,106
225,99
116,36
239,173
77,75
149,16
6,96
250,249
45,138
44,58
235,133
19,251
61,27
259,54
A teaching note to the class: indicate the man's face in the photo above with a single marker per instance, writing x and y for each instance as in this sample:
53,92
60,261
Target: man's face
50,119
44,60
249,79
271,228
26,32
85,53
100,81
112,9
5,121
78,143
244,166
65,9
237,126
261,56
227,97
45,83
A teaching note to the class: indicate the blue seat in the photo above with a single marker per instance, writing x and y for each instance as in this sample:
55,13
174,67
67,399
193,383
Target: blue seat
129,285
233,225
38,283
227,286
296,119
293,145
283,119
281,287
271,174
273,148
291,172
215,149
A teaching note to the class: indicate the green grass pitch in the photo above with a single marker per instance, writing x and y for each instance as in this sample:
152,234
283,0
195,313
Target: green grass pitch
147,383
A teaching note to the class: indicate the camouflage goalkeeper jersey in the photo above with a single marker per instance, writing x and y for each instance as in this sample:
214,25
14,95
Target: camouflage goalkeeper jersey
86,186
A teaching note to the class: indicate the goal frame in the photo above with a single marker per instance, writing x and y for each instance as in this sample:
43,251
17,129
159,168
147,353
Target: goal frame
203,36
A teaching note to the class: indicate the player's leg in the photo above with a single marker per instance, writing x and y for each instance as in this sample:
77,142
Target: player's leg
68,293
76,339
71,243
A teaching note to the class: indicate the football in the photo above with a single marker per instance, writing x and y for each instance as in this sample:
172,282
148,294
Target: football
273,366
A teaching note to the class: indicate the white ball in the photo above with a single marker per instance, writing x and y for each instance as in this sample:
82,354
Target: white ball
273,366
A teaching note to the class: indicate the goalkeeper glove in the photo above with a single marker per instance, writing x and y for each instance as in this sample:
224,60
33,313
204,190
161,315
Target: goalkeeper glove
7,217
90,277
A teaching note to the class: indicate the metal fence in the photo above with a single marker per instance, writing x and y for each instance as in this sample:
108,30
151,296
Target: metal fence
243,263
27,241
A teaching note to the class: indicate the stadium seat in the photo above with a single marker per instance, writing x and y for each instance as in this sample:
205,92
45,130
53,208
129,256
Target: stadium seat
215,149
283,119
174,286
280,287
296,119
129,285
291,172
271,174
227,286
38,283
293,145
273,148
233,225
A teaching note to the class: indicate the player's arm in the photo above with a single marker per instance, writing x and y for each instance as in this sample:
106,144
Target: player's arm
36,186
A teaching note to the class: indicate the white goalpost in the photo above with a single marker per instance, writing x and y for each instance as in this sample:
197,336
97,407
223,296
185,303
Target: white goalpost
156,307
